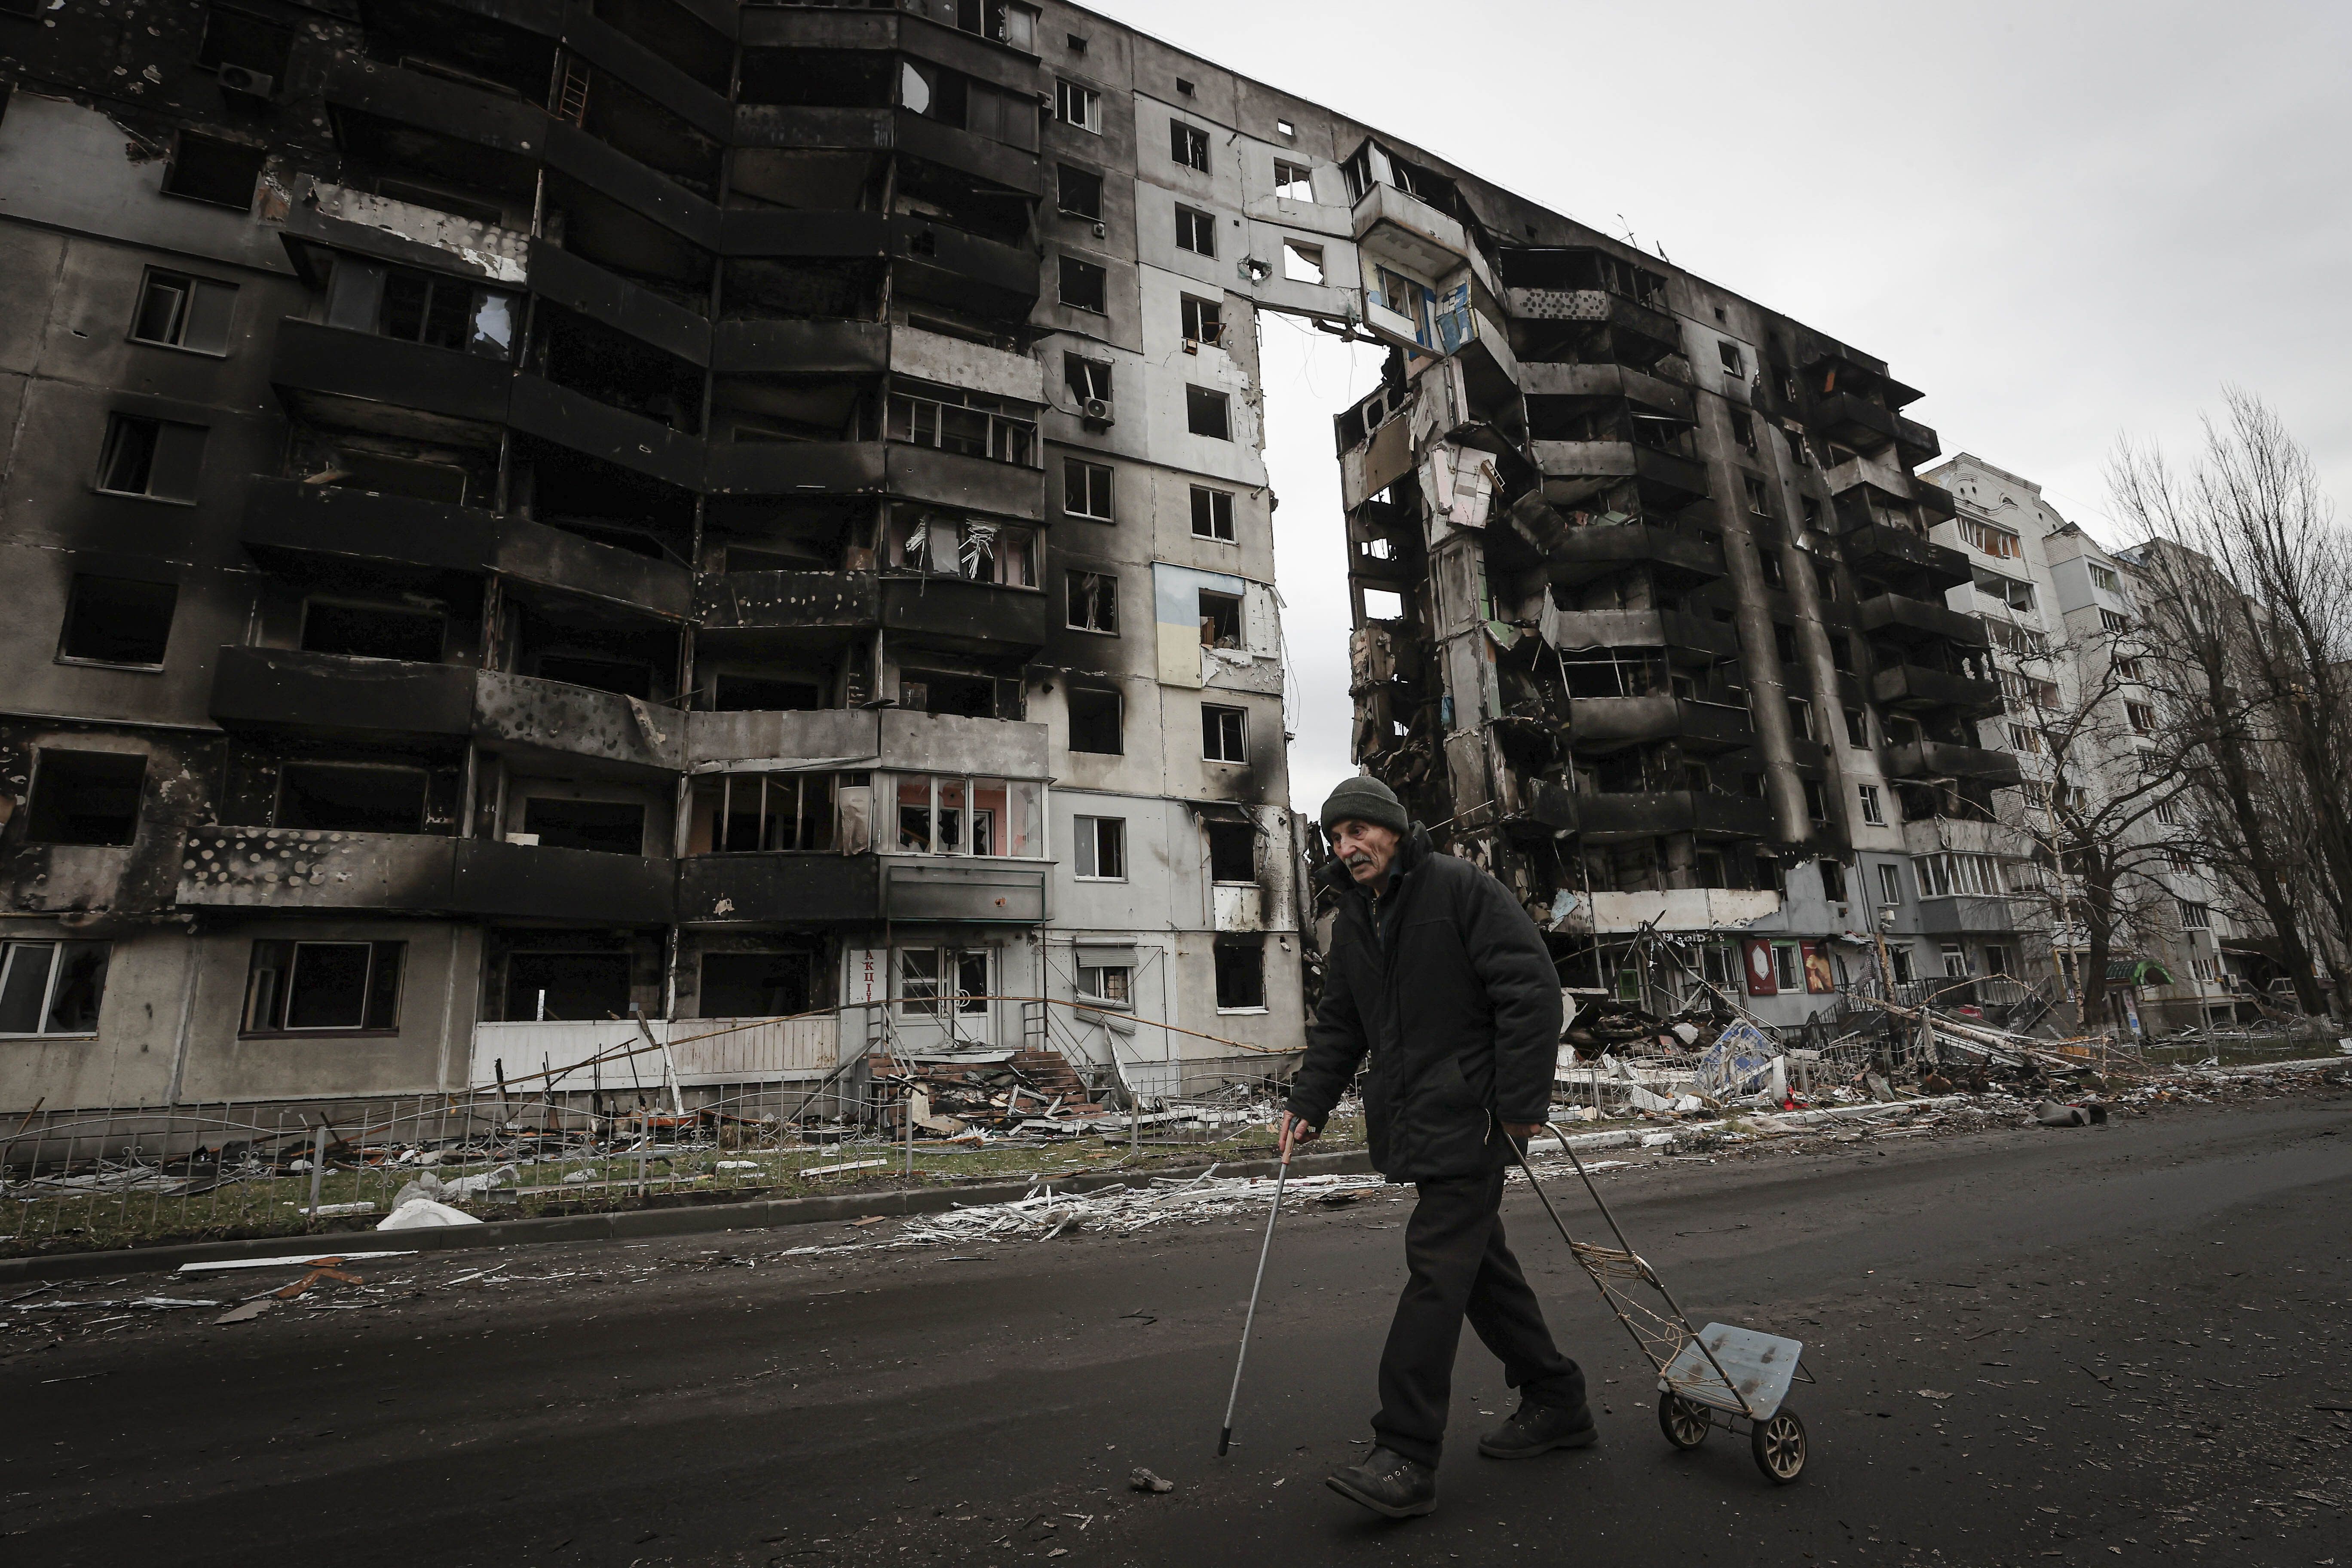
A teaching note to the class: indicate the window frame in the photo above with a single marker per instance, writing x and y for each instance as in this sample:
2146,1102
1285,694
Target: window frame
91,661
1062,205
282,1002
1188,145
1198,403
1089,836
1087,99
187,313
1227,721
119,423
1080,267
1196,314
1090,470
1302,174
1076,580
1191,222
45,1010
1217,514
1874,808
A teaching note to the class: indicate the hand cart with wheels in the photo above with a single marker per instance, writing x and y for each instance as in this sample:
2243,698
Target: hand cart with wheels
1738,1378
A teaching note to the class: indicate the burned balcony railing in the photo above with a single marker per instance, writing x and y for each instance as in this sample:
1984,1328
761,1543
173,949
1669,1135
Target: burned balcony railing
1901,618
1606,817
1941,758
1916,688
258,870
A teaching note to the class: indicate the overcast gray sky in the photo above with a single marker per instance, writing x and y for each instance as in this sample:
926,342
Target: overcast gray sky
2063,222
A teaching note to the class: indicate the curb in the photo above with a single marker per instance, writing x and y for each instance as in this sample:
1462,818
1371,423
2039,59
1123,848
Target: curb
629,1225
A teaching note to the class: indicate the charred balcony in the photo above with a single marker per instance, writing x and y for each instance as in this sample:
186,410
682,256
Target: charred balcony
1925,687
1686,637
1605,817
280,689
1892,550
1597,725
1677,557
297,870
370,381
930,259
1943,758
1901,618
1586,287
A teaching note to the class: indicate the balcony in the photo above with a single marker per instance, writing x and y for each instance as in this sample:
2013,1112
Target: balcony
576,728
1621,314
337,376
878,467
1547,379
268,688
1855,421
893,737
780,889
957,614
965,890
1886,547
291,869
1915,443
851,28
1965,913
795,126
1902,619
1581,555
1940,759
628,308
1683,909
550,557
1667,478
1914,687
541,407
1603,817
1601,724
1688,638
1401,230
819,604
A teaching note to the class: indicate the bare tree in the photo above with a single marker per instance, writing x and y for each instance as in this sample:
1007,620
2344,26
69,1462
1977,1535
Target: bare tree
2247,581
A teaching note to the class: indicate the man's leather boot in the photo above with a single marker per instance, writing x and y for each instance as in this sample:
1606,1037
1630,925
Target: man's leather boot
1539,1429
1388,1483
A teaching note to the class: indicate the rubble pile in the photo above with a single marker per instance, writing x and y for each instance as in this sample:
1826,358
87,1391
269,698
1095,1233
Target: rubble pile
951,1095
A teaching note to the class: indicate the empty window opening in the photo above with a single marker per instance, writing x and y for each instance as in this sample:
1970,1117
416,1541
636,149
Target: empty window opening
756,984
1088,379
971,423
1221,620
1100,848
1096,721
1233,852
753,813
239,41
85,797
608,826
1093,602
116,620
372,471
621,678
52,987
374,631
184,313
1817,802
1857,729
158,458
1208,412
1241,974
1078,193
294,986
1383,604
763,694
1743,429
207,169
1301,263
1078,106
576,986
942,982
1188,145
1734,365
1205,322
1086,489
1224,734
1212,514
1196,231
1293,182
1085,286
337,798
939,691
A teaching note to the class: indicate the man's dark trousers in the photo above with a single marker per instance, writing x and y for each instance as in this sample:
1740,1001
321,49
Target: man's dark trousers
1460,1268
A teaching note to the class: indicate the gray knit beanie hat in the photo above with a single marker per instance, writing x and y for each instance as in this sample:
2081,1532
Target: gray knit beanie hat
1365,799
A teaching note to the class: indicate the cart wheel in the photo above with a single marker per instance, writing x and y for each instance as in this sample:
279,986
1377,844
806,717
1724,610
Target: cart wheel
1683,1421
1779,1447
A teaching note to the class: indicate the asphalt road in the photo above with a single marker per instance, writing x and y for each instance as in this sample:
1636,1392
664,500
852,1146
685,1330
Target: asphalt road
2083,1346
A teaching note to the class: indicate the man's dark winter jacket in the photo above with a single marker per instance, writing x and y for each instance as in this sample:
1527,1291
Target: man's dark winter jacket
1460,1011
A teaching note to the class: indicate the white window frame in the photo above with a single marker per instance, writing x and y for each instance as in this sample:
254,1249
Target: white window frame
1874,810
1086,847
1088,103
1221,709
55,947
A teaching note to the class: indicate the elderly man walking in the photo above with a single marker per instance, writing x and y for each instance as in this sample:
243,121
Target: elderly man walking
1438,975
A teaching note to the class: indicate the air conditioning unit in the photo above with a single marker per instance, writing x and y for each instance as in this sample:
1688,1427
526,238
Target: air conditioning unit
1097,411
246,80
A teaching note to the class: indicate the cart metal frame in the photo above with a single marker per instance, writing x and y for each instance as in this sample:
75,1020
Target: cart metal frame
1737,1377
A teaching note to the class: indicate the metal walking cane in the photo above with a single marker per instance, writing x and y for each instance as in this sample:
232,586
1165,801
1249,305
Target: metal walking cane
1281,1176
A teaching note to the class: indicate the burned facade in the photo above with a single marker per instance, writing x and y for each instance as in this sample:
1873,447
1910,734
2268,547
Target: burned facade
524,511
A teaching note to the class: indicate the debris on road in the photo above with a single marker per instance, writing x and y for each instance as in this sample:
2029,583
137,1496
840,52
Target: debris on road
1142,1480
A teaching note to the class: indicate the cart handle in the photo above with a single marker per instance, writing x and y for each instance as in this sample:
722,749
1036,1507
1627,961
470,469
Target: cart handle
1567,1148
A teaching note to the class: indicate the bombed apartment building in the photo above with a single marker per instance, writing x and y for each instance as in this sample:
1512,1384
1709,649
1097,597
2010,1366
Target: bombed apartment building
528,513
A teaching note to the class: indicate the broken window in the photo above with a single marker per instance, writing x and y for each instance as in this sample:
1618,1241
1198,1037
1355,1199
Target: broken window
1093,602
1085,286
1733,364
1100,848
940,691
1293,182
749,813
1743,429
207,169
763,694
52,987
1203,322
1997,542
2141,716
1233,852
1224,734
1301,263
1096,721
118,620
1890,883
755,984
338,797
2109,621
1087,489
158,458
1874,810
1188,145
184,313
1212,514
1221,620
1078,106
1088,379
934,980
297,986
607,827
1111,983
239,42
1208,412
84,798
973,423
416,479
1817,802
1078,193
621,678
2006,590
1800,718
1857,729
2104,579
1760,499
976,551
374,631
567,985
1241,974
1196,231
2195,916
443,312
